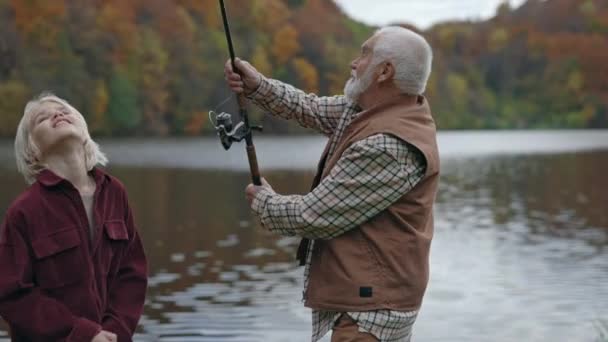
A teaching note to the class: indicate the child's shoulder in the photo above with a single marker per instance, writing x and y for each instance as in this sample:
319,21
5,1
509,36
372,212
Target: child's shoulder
116,183
26,201
112,182
114,186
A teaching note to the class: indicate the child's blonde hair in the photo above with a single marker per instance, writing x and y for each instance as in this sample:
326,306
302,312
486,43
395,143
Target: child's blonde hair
26,151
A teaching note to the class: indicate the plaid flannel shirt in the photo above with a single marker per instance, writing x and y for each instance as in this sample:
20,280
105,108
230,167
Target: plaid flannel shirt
370,175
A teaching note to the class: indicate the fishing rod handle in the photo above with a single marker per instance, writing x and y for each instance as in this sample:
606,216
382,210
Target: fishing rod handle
253,165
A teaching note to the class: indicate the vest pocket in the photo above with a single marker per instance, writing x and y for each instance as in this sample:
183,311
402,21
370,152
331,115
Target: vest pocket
58,259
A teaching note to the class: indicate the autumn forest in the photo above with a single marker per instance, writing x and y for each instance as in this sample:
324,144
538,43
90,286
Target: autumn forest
155,67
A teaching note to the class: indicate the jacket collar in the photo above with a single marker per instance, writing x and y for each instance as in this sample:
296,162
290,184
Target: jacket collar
48,178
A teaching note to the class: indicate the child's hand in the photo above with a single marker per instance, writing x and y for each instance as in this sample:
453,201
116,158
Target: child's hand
105,336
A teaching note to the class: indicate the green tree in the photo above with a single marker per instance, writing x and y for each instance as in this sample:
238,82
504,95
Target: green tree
124,114
152,64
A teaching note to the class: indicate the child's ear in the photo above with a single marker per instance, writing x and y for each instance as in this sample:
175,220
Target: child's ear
32,160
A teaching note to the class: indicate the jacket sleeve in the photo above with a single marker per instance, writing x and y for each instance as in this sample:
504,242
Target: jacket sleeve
23,305
127,290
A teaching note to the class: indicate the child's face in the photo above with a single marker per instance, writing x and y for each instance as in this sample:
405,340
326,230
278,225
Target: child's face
53,124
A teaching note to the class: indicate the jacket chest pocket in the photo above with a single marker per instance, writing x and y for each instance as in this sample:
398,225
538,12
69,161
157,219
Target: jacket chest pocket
114,243
59,259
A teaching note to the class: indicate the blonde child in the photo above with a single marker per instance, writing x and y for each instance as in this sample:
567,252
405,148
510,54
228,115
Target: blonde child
72,266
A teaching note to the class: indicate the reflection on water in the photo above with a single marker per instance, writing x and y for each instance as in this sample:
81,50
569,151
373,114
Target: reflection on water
520,252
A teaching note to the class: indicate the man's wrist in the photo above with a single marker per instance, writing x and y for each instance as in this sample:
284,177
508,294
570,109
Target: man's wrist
261,90
260,200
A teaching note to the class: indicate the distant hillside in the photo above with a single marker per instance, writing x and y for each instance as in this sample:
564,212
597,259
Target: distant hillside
154,67
540,66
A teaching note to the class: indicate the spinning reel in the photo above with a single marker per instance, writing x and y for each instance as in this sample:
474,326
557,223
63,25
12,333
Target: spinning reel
226,130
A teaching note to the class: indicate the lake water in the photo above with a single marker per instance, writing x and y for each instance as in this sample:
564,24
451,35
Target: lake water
520,251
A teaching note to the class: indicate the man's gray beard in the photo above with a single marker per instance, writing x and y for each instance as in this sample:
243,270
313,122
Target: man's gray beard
354,87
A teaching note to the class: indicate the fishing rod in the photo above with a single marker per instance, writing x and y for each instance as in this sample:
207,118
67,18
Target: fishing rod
228,132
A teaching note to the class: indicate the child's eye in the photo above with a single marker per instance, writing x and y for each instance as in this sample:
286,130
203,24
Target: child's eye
41,118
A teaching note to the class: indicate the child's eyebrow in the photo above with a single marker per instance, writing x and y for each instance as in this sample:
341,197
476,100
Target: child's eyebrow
38,114
43,111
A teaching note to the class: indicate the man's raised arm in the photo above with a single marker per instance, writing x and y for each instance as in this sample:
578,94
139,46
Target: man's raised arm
285,101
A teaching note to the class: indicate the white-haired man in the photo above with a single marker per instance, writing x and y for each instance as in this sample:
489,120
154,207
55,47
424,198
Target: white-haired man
367,223
72,266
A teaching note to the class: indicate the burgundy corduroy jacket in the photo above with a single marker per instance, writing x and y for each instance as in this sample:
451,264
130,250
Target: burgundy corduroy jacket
58,284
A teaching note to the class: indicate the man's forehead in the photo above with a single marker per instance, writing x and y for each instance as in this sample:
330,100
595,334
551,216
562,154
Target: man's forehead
369,43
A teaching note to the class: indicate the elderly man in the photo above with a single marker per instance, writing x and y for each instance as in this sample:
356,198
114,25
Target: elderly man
367,223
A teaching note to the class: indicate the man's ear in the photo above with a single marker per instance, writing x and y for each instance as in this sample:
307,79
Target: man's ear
387,72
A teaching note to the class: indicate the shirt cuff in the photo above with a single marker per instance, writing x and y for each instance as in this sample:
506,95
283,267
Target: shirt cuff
112,324
263,90
261,198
